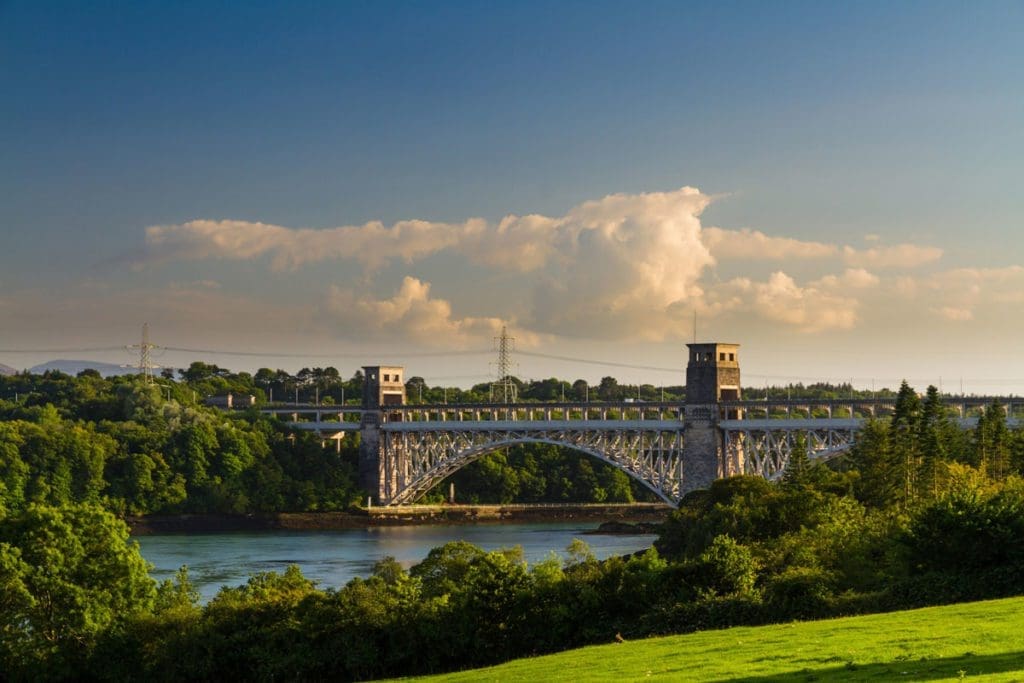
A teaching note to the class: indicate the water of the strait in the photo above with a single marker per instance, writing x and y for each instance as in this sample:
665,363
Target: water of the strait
332,558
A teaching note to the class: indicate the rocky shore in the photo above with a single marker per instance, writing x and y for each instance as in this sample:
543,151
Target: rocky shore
612,518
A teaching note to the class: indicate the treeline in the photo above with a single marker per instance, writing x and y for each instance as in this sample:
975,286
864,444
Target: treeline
326,385
908,458
945,524
136,449
744,553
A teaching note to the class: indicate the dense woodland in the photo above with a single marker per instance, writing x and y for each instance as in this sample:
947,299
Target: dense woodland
919,512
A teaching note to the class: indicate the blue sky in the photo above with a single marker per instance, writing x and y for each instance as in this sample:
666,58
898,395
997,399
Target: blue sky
889,134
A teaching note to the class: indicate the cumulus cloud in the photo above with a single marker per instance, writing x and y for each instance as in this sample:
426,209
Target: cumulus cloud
604,267
894,256
626,266
814,307
852,278
410,314
372,244
754,245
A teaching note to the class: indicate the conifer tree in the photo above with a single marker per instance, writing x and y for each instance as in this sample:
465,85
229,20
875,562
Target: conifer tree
904,430
932,440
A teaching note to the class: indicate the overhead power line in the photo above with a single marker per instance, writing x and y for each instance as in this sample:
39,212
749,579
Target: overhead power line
344,354
606,363
92,349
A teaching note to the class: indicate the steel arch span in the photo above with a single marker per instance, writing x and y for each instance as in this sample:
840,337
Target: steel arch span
767,451
416,461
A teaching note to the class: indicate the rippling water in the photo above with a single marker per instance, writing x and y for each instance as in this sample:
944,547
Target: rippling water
334,557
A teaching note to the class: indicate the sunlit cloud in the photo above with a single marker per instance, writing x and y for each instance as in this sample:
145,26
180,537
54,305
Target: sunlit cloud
625,266
811,308
373,244
894,256
754,245
411,314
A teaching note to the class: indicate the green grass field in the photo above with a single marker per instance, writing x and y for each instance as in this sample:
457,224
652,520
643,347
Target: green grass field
973,641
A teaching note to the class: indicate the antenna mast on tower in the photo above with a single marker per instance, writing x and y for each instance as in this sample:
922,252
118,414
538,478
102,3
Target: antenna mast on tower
504,390
145,349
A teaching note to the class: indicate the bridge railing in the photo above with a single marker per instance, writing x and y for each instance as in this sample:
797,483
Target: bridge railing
539,412
306,412
859,408
774,409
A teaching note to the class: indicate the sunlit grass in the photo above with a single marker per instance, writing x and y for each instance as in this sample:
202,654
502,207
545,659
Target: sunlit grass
973,641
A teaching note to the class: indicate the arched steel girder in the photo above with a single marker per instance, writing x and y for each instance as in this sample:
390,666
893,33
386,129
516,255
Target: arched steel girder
413,490
766,452
817,456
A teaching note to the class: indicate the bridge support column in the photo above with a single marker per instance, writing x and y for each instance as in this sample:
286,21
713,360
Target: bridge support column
712,376
371,463
702,449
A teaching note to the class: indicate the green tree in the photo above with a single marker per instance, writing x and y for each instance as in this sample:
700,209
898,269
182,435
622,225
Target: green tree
992,442
934,441
725,568
609,389
904,431
14,472
73,574
798,468
445,568
872,456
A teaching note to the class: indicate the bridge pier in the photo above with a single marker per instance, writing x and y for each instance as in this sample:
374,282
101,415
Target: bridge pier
371,476
702,448
712,376
382,387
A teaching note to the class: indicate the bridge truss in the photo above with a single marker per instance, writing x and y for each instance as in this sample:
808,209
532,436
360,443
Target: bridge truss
765,447
420,457
421,445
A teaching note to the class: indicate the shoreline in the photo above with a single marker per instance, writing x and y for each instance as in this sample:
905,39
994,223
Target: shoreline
644,515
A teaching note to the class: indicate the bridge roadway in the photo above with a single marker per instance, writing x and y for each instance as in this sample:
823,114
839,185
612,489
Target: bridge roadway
668,446
773,414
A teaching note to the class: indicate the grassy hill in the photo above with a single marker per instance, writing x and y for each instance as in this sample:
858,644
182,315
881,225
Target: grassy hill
972,641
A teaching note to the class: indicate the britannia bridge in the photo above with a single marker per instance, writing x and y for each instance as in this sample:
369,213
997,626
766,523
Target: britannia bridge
671,447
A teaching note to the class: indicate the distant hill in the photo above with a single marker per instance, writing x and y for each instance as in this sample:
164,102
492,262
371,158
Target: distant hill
73,367
7,370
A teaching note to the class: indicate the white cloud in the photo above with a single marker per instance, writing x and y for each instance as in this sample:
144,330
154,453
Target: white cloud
754,245
626,266
895,256
609,267
411,314
812,308
852,278
372,244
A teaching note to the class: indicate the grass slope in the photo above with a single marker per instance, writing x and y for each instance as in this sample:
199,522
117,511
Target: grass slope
971,641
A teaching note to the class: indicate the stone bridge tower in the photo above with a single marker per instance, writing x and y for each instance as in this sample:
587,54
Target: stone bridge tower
712,376
383,386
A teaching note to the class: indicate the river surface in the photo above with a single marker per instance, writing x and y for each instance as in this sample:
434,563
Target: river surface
332,558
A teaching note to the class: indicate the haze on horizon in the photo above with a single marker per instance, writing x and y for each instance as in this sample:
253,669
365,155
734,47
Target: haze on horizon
836,188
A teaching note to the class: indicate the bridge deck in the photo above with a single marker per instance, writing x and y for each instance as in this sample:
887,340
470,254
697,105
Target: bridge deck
666,416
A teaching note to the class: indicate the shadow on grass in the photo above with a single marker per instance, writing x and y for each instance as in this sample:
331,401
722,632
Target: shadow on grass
965,665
